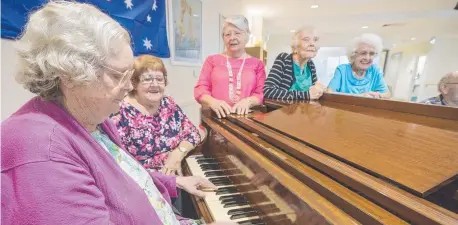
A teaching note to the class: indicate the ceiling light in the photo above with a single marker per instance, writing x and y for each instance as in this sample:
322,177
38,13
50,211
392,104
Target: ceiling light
314,6
432,41
365,27
292,31
413,39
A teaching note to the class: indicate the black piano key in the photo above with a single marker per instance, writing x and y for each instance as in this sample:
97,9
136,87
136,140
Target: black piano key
244,215
222,183
203,157
234,200
241,211
252,222
219,179
206,161
227,190
215,173
210,166
235,204
230,197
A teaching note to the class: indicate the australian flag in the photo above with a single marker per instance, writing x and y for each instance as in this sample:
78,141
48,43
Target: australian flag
144,19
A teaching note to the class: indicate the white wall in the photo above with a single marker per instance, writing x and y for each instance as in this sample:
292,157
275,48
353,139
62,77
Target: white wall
181,78
442,59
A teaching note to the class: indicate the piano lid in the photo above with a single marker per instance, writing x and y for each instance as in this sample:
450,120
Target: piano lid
418,157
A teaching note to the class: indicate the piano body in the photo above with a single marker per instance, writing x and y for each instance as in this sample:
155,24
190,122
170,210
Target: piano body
341,160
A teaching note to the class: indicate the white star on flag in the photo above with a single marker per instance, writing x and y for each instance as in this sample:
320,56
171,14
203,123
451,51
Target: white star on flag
148,18
154,5
129,4
147,43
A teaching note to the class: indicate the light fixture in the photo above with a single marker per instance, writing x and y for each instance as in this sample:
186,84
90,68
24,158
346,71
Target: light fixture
314,6
432,41
196,15
413,39
365,27
292,31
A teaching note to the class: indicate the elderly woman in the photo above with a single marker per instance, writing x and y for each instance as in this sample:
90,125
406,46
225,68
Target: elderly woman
62,161
361,77
293,76
448,89
152,126
231,82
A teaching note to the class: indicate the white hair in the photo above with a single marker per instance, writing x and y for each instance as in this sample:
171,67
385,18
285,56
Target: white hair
295,38
446,79
66,39
369,39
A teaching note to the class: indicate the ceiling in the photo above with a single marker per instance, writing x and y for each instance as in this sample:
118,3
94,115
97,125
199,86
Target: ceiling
338,21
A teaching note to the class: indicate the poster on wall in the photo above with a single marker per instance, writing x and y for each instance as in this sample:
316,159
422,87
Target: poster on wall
185,29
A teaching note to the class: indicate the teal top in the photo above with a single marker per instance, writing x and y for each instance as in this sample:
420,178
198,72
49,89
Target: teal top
141,176
303,78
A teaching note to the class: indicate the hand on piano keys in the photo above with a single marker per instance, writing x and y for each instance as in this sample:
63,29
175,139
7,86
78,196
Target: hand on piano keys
195,185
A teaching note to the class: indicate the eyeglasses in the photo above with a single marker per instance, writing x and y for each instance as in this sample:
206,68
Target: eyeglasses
122,76
371,54
148,79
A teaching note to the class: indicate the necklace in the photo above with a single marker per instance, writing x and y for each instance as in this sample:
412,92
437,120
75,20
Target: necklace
235,97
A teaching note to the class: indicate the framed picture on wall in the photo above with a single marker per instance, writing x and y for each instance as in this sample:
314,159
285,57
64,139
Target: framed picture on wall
185,32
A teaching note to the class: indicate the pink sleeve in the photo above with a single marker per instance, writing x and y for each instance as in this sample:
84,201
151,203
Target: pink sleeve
204,85
69,196
169,182
260,80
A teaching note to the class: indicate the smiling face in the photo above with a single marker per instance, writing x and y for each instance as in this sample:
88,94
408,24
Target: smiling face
364,56
306,46
234,38
151,86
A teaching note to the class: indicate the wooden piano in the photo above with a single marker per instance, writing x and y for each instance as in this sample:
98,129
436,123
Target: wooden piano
341,160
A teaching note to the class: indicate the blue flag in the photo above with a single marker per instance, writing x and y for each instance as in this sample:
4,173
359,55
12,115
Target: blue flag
144,19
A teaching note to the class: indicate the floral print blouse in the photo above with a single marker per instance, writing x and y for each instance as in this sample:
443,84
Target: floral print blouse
150,138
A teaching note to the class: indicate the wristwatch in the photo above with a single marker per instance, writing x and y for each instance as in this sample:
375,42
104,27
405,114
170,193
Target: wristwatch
182,149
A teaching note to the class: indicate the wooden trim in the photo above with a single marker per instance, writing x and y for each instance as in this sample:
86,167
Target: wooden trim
322,206
350,202
199,203
435,111
405,204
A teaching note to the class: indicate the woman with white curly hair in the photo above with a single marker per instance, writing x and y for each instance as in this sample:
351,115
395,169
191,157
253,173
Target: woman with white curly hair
361,76
62,160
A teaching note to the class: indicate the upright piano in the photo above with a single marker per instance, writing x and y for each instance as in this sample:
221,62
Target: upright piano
340,160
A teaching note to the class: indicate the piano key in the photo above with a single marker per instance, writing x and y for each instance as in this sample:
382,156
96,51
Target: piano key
230,196
203,157
234,200
252,222
206,161
244,215
234,204
215,173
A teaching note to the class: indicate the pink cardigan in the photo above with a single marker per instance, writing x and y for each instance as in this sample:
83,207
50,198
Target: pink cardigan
214,78
54,172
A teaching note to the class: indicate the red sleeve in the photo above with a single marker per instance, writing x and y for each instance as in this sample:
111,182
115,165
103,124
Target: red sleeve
260,80
204,85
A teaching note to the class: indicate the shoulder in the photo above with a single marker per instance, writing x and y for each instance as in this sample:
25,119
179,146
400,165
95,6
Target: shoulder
214,58
283,55
29,138
375,70
344,67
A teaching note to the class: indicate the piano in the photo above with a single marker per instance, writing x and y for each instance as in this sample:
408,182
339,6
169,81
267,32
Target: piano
340,160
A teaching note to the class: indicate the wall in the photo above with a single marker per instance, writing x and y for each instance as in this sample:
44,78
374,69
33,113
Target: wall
181,78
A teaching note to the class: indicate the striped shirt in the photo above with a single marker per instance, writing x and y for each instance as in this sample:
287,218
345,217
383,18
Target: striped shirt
281,78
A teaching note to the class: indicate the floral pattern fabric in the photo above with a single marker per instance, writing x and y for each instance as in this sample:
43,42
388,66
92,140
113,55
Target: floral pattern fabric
139,174
150,138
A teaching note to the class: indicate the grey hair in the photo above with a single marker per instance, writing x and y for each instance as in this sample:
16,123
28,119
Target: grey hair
295,38
65,38
368,38
445,79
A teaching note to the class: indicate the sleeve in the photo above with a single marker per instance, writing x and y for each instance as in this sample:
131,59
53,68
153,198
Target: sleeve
272,87
336,81
69,196
123,129
169,182
188,131
204,85
260,81
380,85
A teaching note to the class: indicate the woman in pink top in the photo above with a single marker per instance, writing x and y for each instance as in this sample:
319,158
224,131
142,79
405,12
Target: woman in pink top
233,81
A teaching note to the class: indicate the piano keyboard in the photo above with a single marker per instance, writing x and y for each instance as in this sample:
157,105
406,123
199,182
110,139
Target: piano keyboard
232,200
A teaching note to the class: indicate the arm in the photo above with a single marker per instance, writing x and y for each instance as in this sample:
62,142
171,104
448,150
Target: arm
68,196
169,182
202,90
257,97
380,86
273,87
336,81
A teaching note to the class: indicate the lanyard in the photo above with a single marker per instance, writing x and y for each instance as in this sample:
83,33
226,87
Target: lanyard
235,97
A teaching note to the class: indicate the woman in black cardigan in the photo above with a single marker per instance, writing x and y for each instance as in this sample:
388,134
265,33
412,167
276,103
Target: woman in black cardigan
293,76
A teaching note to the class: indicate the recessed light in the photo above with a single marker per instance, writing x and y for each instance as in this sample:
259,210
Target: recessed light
432,41
314,6
196,15
413,39
292,31
365,27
